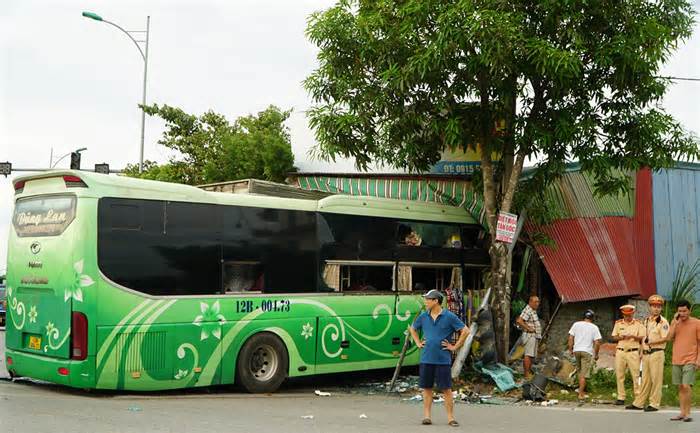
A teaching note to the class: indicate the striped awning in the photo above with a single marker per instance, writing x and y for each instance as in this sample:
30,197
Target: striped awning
457,192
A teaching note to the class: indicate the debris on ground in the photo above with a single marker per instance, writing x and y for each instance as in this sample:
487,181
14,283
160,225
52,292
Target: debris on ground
417,397
363,416
307,417
134,409
322,393
499,373
560,369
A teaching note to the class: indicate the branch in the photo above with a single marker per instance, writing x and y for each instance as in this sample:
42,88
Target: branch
486,164
513,181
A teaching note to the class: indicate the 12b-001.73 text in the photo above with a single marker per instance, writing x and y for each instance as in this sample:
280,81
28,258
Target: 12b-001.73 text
267,305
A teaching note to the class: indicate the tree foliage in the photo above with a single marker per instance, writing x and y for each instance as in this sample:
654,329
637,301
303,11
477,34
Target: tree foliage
210,149
398,82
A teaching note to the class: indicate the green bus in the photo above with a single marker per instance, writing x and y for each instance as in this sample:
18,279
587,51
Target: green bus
128,284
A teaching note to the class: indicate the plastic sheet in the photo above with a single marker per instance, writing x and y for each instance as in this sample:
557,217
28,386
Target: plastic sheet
499,373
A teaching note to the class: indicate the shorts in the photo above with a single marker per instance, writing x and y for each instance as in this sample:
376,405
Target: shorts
683,374
529,341
584,363
435,374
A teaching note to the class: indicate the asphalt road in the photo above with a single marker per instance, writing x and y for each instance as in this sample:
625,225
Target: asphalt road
27,407
31,408
3,370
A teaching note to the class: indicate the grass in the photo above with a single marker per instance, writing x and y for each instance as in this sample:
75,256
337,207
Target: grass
603,384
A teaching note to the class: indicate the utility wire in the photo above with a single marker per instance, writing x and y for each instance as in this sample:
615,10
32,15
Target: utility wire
680,78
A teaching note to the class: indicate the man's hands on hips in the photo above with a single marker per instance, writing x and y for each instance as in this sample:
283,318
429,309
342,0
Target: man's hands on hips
446,345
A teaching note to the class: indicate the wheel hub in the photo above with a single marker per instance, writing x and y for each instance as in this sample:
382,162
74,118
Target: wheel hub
264,363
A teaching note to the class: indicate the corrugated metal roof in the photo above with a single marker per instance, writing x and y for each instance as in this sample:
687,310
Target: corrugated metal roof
572,196
601,256
593,258
676,221
643,228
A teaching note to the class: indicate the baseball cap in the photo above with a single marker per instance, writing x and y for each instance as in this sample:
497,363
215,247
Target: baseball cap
589,314
433,294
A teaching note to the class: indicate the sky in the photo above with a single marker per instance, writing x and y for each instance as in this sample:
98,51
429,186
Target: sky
68,82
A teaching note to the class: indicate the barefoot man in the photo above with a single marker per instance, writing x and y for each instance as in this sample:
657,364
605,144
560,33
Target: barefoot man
438,325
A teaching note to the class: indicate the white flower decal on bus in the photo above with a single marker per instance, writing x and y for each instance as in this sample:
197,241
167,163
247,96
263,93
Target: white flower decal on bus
210,320
80,280
17,309
33,314
307,331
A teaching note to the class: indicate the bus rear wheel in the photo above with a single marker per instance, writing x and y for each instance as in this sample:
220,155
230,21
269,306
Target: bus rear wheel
262,363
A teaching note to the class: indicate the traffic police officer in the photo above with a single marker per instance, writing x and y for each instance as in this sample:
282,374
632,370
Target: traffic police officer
657,329
629,334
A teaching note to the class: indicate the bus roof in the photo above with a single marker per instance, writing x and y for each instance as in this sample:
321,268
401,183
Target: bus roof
100,185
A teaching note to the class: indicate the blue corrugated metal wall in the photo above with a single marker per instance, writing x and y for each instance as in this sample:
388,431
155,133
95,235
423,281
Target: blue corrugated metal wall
676,225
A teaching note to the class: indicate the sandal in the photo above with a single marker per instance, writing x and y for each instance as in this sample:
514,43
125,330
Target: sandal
426,421
678,418
687,419
453,423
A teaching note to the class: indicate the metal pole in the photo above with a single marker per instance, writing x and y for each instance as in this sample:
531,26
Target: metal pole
51,158
58,160
143,99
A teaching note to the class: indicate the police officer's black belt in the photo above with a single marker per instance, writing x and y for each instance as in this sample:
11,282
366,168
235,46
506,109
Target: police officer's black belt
650,351
628,350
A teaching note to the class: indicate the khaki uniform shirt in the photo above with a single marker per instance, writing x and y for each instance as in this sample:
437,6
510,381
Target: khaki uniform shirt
634,328
656,331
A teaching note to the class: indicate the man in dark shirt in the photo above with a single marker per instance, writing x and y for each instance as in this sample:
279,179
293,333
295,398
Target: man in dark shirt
437,325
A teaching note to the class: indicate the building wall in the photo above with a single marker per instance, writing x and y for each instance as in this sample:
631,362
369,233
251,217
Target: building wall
573,312
676,223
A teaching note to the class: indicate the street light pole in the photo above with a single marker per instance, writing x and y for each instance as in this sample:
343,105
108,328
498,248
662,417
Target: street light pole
143,99
144,56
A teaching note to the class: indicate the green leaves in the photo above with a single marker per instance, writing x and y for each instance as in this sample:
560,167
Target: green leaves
575,80
210,149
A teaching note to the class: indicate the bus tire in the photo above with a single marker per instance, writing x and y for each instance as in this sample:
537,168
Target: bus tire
262,363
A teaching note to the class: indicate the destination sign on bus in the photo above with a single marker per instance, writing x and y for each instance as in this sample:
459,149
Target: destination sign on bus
43,216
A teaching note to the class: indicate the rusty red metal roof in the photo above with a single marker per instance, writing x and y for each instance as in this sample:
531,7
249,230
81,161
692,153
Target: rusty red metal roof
643,226
603,257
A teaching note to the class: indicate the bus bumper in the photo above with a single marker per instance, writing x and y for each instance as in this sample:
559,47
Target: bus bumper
77,374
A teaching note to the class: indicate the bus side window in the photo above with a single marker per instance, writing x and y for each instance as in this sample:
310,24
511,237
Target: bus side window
192,248
283,242
243,277
359,278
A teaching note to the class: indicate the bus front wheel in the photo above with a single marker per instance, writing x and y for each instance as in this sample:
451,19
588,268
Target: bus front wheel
262,363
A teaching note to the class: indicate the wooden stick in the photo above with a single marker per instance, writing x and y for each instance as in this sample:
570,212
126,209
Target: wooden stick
401,358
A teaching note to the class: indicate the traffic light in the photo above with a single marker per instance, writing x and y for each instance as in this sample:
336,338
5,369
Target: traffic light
5,168
75,161
102,168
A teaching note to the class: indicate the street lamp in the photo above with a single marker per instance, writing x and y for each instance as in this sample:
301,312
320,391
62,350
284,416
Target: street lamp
144,56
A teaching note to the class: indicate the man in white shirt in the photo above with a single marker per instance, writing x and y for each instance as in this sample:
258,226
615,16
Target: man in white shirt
584,344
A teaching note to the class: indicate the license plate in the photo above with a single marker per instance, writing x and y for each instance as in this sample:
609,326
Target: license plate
35,343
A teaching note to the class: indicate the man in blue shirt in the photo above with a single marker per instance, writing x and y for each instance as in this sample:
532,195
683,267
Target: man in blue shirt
438,325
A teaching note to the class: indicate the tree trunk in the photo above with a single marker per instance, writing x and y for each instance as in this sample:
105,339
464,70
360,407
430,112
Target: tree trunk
501,304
